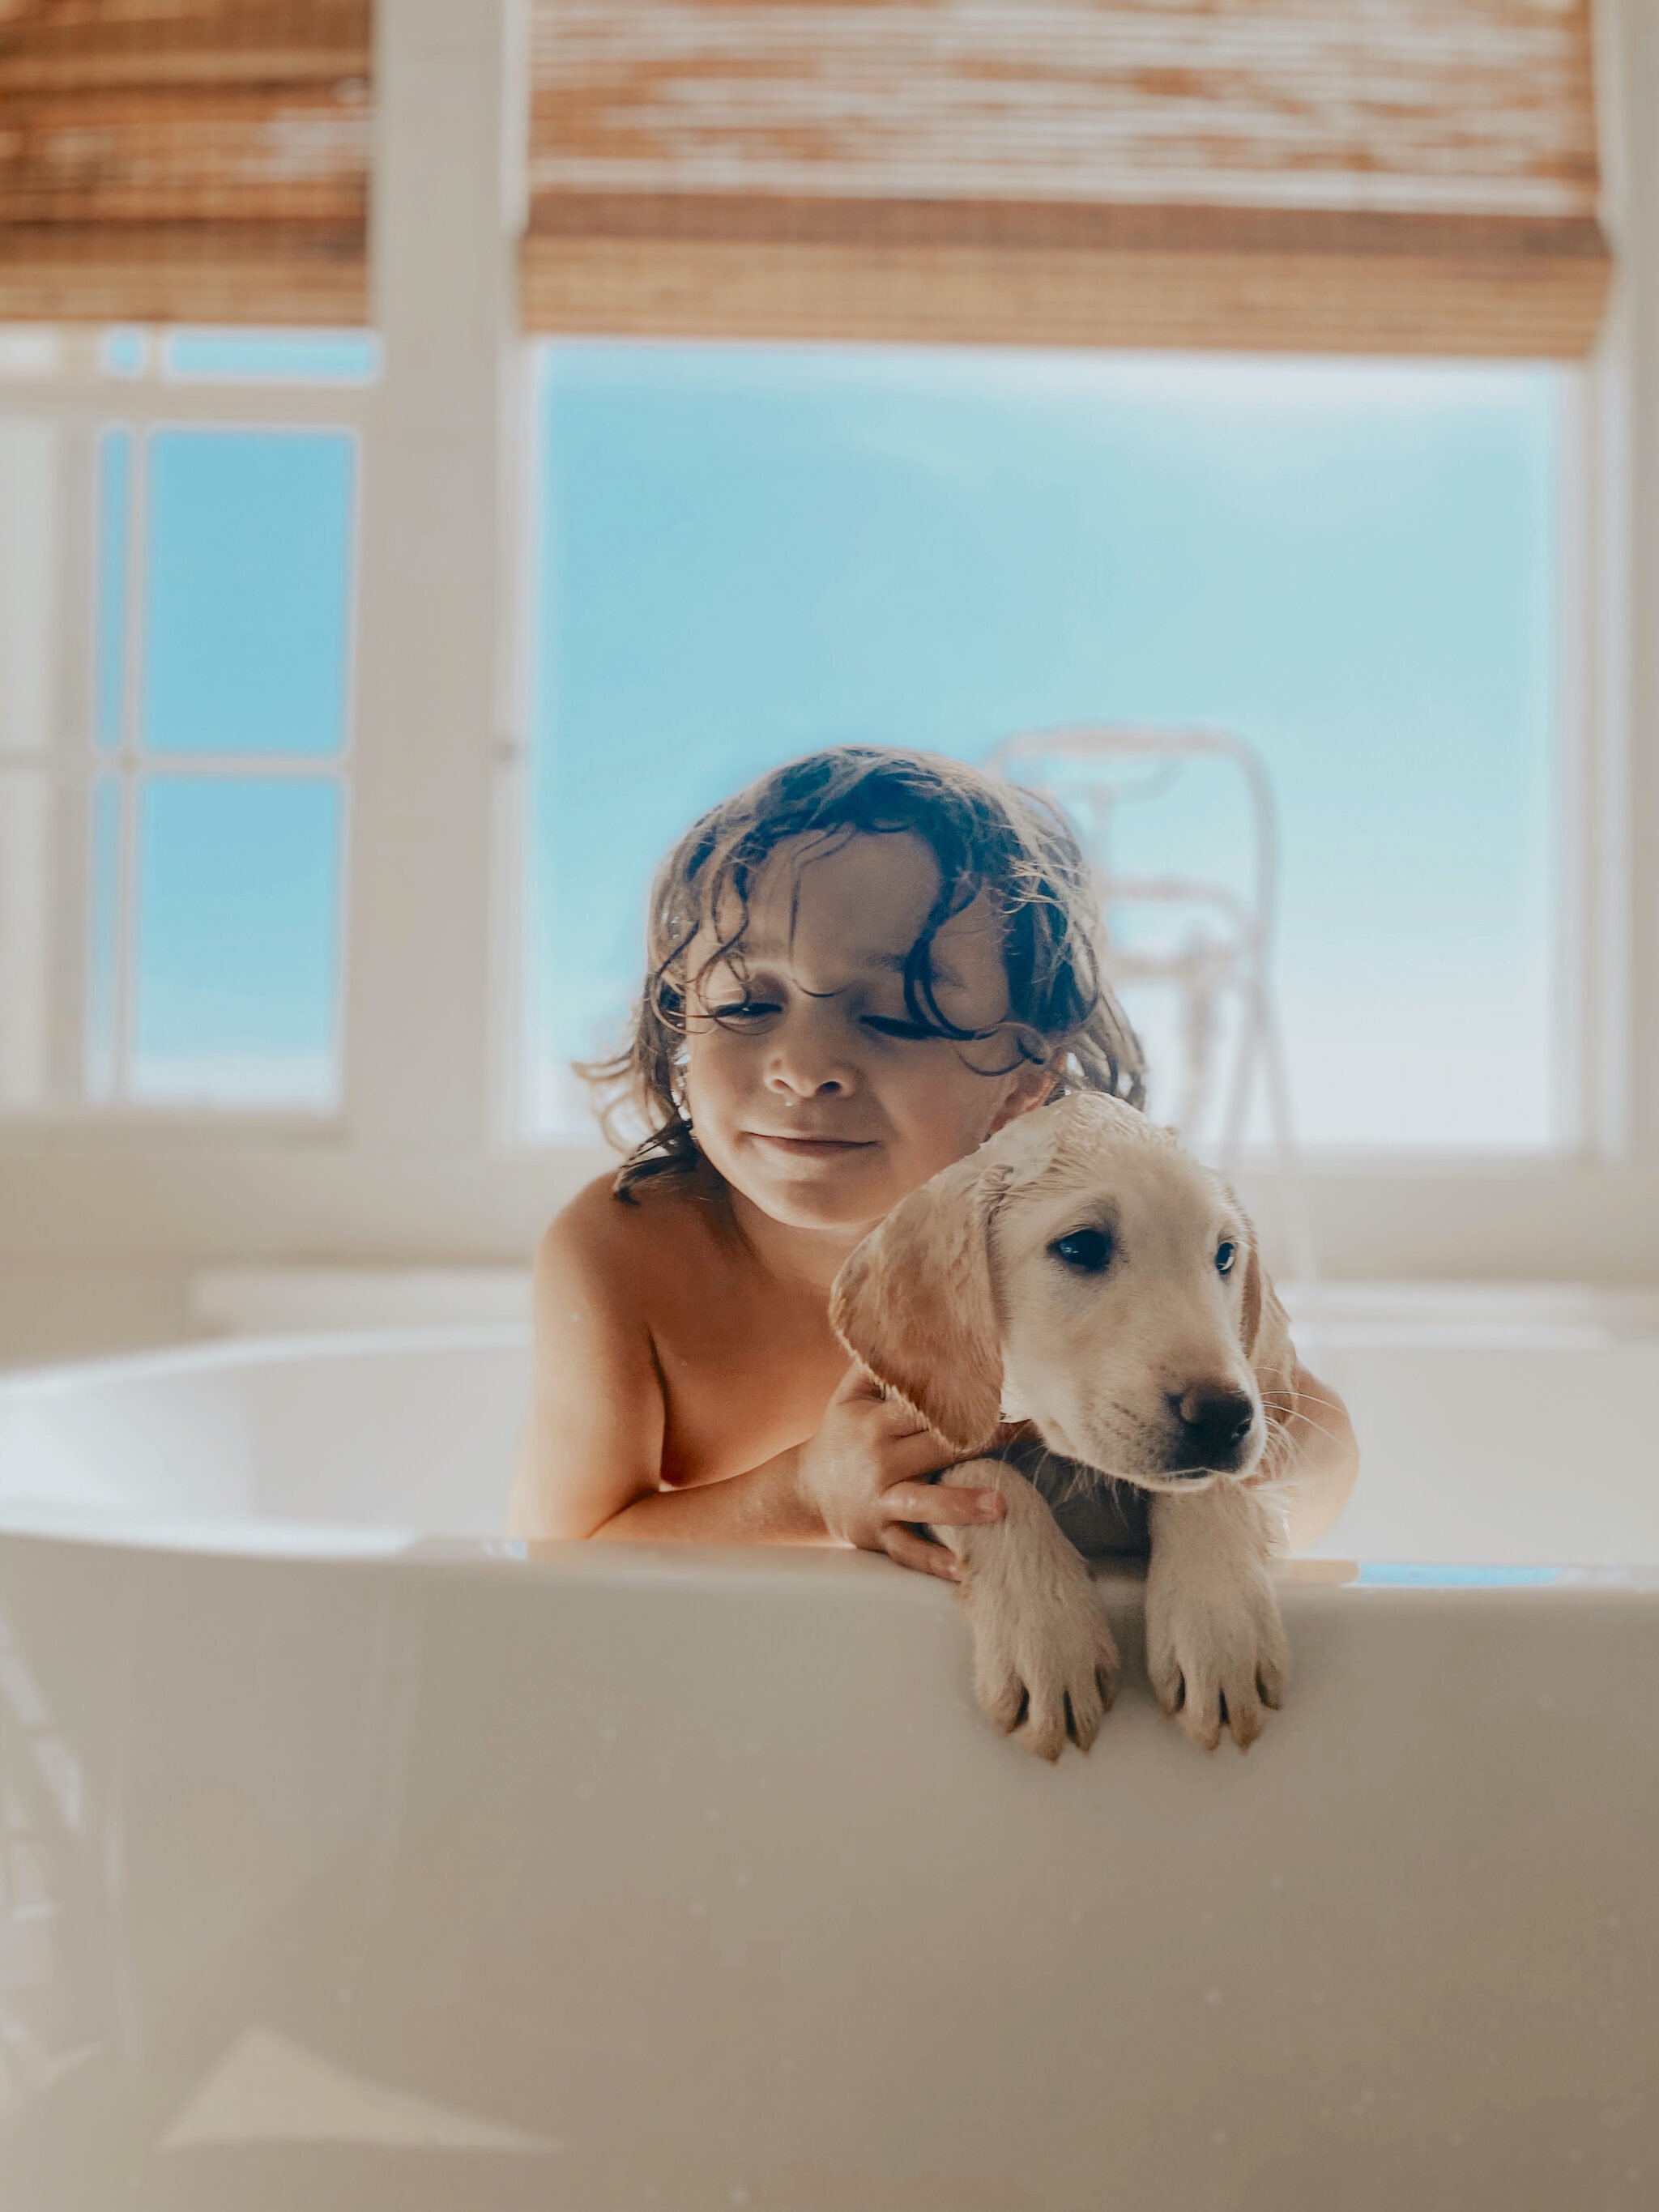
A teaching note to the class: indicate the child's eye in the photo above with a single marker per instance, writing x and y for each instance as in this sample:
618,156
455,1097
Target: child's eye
742,1009
886,1025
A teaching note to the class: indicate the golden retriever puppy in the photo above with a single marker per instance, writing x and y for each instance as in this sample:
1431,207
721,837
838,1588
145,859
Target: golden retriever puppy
1082,1276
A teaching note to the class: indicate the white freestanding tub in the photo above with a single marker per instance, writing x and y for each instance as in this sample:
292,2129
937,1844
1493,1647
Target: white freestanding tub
353,1859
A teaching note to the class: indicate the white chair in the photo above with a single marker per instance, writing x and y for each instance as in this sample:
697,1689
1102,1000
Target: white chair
1093,770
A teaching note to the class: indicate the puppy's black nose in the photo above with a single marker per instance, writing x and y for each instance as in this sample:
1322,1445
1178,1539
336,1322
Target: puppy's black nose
1210,1427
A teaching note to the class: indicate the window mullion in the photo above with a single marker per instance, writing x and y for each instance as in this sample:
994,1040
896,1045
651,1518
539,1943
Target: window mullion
418,1044
129,786
1622,590
72,752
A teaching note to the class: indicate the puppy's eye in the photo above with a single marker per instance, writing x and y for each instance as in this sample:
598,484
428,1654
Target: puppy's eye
1088,1250
1225,1256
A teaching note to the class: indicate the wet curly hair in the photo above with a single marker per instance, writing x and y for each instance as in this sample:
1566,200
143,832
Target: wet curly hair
986,834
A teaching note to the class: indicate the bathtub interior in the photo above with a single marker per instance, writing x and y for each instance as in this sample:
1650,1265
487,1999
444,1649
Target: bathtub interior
1492,1434
410,1431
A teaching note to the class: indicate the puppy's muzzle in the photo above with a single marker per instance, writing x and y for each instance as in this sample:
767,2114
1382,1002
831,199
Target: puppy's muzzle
1210,1430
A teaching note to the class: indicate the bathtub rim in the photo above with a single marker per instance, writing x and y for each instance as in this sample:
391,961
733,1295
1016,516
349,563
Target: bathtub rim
275,1347
345,1543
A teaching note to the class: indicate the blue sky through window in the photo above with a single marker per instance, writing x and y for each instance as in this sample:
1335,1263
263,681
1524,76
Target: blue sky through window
746,552
237,931
242,355
247,630
273,357
243,638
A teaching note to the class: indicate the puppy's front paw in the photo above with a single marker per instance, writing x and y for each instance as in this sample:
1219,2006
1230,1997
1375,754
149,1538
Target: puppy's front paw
1216,1659
1046,1674
1045,1665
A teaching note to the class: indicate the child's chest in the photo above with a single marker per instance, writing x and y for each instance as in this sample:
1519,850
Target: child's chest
744,1376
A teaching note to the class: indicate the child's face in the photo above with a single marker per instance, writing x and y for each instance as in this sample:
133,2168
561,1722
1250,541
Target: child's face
815,1097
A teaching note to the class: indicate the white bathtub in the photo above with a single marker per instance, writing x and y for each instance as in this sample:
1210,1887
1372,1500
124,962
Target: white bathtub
356,1860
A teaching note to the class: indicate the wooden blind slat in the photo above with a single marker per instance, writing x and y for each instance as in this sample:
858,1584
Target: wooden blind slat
185,160
799,166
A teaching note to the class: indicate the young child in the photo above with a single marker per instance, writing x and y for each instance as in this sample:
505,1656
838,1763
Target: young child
859,968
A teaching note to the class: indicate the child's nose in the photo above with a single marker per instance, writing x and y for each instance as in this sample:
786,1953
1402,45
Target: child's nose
804,1077
810,1059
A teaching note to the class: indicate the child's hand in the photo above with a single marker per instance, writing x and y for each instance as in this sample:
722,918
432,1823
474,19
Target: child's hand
863,1471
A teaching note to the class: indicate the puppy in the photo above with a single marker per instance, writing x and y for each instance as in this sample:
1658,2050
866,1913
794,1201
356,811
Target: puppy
1084,1275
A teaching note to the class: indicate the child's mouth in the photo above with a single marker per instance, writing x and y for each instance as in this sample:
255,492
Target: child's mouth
812,1148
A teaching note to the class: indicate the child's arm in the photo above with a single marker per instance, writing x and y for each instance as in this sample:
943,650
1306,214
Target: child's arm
590,1462
591,1458
1325,1461
593,1439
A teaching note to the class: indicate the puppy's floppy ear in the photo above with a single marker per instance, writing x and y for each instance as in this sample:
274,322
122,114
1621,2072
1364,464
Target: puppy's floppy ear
1249,1321
1264,1327
915,1306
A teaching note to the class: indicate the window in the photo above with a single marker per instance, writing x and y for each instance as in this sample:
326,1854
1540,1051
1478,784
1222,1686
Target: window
176,734
747,552
440,782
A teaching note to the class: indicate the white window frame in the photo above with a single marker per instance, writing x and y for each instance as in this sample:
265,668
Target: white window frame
426,1161
82,404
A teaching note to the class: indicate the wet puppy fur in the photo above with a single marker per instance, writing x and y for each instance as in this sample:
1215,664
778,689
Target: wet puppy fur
1083,1300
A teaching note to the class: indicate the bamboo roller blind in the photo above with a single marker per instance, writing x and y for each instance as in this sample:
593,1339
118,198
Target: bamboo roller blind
1375,175
1392,176
184,160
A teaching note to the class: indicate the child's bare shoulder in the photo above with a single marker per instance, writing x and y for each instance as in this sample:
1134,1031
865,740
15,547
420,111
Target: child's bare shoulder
594,1440
626,1245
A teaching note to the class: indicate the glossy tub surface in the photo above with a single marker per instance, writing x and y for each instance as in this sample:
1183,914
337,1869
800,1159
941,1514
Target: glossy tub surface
356,1859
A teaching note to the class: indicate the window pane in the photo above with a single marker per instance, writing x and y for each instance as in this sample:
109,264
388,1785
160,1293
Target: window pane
238,941
747,553
250,557
274,356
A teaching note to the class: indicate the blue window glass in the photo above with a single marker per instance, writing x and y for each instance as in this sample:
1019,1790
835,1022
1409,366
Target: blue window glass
274,356
238,941
747,553
250,547
1375,1576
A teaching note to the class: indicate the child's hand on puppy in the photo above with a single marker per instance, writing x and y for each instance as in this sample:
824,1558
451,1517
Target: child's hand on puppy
864,1471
